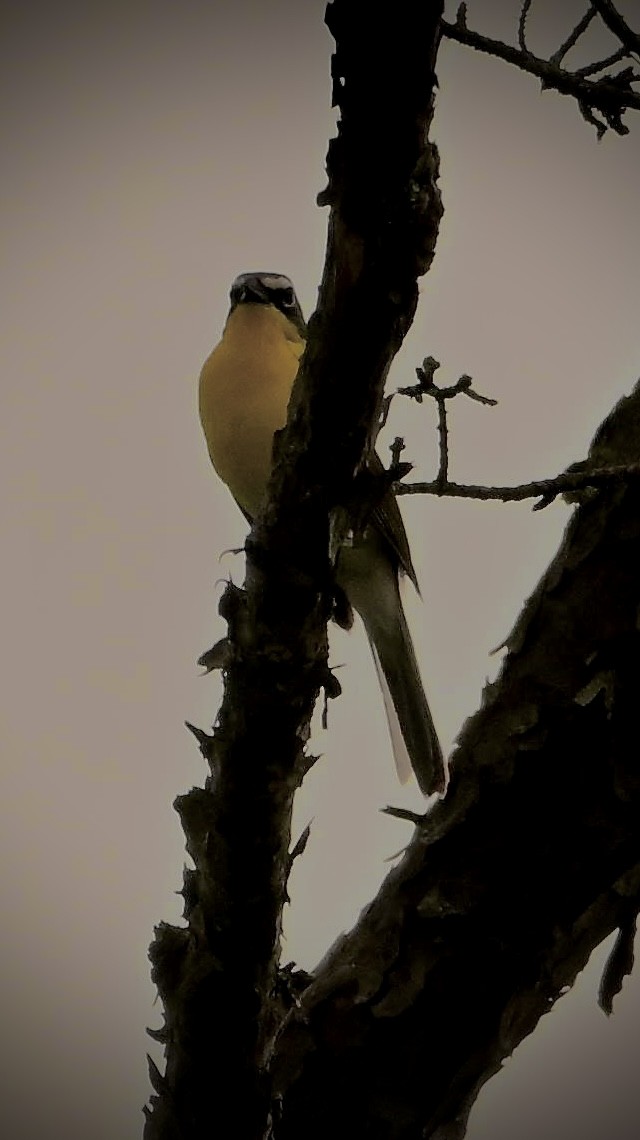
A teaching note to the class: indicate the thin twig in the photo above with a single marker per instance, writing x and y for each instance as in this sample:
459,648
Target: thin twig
573,37
524,12
426,386
384,411
617,25
545,489
593,68
443,436
610,98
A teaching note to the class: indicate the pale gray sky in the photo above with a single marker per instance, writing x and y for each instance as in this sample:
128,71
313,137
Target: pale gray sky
152,152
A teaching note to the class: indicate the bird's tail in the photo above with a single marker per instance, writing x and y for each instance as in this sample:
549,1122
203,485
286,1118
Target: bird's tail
369,578
413,734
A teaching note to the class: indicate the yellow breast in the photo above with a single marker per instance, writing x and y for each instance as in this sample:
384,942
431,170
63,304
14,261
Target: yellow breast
245,386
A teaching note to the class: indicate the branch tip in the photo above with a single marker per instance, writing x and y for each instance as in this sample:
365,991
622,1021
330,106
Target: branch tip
405,814
619,965
522,40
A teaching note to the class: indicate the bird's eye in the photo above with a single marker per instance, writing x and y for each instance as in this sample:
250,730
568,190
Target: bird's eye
287,298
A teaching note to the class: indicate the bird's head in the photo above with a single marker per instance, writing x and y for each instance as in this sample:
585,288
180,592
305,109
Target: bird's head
260,288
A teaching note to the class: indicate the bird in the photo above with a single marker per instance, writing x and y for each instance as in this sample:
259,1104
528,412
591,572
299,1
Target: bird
244,391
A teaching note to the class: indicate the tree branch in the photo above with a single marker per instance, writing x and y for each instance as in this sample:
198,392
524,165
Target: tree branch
611,95
545,489
217,977
579,478
522,25
464,948
510,882
573,37
617,24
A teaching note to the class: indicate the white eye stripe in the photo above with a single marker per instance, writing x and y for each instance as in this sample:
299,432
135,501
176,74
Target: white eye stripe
277,284
271,281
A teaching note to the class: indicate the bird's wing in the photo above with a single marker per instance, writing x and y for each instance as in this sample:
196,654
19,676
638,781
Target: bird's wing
387,519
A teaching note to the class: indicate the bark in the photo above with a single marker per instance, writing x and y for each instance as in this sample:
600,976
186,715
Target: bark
217,977
509,884
535,854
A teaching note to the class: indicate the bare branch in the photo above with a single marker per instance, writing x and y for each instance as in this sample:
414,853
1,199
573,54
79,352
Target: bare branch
611,96
593,68
619,964
218,977
573,37
461,15
524,12
510,882
224,997
545,489
617,24
426,386
300,845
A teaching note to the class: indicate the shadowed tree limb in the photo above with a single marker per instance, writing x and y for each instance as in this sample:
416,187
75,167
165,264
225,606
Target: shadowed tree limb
508,884
610,95
478,929
218,979
573,37
617,25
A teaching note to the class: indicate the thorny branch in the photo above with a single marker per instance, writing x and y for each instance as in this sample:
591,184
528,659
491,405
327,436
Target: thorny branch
544,489
510,882
218,976
235,1031
522,22
573,37
610,95
617,24
577,481
427,387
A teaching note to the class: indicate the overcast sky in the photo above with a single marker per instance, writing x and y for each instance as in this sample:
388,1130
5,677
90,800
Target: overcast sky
152,151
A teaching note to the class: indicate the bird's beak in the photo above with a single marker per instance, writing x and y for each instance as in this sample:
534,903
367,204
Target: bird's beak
253,292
